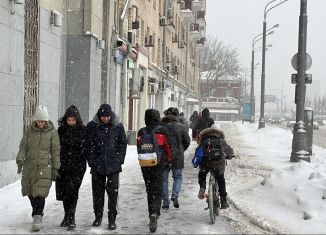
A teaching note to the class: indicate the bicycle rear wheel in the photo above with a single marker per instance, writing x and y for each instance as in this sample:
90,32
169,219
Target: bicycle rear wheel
211,197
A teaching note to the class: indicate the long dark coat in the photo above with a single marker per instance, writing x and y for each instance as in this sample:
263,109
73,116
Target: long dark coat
73,161
178,139
107,145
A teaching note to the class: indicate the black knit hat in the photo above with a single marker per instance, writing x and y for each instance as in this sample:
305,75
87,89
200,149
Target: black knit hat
104,110
205,112
152,117
172,111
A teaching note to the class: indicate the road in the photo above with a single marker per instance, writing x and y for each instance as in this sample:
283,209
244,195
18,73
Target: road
319,136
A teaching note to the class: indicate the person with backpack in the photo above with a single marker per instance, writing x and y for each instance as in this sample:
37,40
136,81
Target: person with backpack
183,120
204,121
154,154
107,143
210,156
38,160
73,137
179,140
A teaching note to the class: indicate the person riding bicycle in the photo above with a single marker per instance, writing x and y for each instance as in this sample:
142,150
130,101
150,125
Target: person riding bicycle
210,156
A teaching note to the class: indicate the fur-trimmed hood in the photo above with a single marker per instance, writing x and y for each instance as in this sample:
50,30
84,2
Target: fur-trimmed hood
211,132
169,118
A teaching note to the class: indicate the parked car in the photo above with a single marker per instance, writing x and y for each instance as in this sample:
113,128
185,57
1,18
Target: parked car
316,125
276,120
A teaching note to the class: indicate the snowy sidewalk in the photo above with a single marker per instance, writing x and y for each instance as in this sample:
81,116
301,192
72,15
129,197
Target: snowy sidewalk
132,213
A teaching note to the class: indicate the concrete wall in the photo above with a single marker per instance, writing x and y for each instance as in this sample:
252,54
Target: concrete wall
83,58
50,60
11,87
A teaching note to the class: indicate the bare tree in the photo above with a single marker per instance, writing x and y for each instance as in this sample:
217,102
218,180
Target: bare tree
218,62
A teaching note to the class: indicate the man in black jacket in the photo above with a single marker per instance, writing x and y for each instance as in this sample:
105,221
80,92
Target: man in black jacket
179,141
203,122
107,149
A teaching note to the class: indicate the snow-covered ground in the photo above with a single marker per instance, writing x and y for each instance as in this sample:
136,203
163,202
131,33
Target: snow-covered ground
268,194
275,194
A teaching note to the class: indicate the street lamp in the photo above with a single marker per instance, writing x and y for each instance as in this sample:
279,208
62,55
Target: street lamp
299,141
262,99
252,90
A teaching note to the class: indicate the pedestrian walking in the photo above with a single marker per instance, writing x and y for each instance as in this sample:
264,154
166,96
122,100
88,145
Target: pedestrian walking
72,134
183,120
205,121
107,149
38,160
152,139
193,122
179,141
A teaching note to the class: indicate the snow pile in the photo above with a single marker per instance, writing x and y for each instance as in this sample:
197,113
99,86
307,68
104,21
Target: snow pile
292,194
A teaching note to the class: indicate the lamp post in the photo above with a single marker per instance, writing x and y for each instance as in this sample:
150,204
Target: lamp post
299,151
262,98
252,86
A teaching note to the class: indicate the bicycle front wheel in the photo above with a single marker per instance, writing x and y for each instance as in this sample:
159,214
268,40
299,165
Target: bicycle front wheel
211,198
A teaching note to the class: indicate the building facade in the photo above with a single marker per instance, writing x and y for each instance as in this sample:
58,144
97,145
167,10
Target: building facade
132,54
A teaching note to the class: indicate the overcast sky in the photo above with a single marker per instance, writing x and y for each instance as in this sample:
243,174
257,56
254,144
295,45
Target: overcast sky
237,22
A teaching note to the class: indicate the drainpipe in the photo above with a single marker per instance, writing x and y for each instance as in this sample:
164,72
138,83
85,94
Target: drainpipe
121,78
164,52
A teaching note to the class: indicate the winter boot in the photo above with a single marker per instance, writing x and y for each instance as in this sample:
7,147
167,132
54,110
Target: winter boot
71,216
153,222
175,202
37,222
112,225
201,194
65,221
98,219
224,203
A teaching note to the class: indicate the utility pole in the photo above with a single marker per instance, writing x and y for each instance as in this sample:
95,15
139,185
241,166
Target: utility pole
299,148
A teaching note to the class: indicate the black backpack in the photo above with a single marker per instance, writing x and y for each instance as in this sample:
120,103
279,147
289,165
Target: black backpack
149,153
213,150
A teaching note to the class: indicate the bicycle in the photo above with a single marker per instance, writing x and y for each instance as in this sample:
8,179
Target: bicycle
213,198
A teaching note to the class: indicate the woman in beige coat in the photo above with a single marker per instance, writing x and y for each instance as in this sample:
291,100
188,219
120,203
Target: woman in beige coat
38,160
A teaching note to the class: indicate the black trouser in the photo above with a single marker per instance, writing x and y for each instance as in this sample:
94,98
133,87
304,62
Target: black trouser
218,176
37,205
110,183
153,178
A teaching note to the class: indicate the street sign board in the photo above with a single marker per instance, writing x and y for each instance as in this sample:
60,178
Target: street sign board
246,112
308,78
294,61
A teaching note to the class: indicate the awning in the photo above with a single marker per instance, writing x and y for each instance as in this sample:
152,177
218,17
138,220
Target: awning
192,100
224,111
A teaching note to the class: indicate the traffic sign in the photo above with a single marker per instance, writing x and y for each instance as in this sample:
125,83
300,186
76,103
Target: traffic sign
294,61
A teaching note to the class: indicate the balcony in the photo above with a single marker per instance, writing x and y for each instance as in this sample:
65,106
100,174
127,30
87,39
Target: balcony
198,5
186,13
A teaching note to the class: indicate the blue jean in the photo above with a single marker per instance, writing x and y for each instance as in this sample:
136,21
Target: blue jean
177,181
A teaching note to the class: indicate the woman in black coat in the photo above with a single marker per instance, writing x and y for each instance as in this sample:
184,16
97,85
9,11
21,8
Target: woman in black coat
72,135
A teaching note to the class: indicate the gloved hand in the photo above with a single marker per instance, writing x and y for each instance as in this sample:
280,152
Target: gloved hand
55,174
229,157
168,166
20,167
